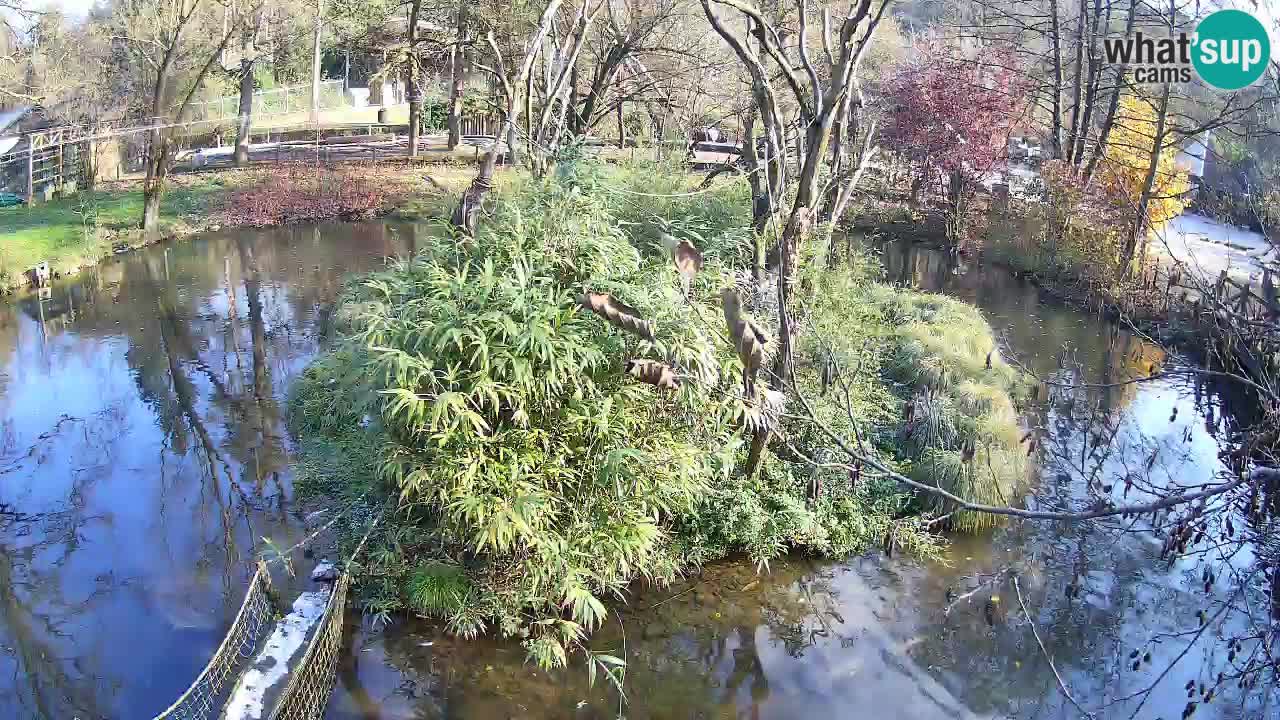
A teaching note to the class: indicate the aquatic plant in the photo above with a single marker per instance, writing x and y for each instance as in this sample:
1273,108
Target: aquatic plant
960,430
438,589
508,427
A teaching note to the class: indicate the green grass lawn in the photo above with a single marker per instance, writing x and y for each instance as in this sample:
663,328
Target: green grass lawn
72,232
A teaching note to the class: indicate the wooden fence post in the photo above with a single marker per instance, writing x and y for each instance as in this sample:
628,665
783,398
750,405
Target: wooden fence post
31,169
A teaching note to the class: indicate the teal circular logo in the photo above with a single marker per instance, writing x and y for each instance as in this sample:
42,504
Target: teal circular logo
1232,49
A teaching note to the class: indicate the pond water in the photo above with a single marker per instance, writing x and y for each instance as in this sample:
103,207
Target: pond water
144,457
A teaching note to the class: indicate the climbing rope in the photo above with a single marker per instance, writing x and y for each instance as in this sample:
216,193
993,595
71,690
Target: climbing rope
310,683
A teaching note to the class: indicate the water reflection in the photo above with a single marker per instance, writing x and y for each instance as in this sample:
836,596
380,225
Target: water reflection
143,457
889,639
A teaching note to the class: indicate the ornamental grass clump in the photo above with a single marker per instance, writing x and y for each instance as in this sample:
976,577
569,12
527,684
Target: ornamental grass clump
960,430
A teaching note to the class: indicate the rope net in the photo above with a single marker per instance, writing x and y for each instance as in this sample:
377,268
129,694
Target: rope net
306,694
310,683
205,696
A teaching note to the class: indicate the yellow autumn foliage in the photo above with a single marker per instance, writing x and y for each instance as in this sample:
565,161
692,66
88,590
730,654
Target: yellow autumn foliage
1128,156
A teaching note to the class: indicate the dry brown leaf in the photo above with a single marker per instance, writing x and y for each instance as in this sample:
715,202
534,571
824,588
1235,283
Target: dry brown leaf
654,373
749,339
617,313
688,259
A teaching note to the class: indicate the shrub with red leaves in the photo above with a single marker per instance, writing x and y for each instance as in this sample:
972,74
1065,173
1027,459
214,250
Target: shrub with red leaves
294,193
947,112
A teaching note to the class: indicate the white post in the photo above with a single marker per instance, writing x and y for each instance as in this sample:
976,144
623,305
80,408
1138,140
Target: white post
31,169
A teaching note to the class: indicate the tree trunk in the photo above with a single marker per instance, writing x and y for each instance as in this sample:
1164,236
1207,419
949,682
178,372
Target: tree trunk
622,126
153,185
755,457
248,61
512,143
577,123
158,147
1092,77
751,165
415,117
1077,84
457,74
467,213
315,65
956,211
1109,120
839,131
415,87
244,117
1055,42
846,192
601,79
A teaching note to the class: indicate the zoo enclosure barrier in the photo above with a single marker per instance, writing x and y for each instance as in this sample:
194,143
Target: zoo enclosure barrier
203,699
266,103
306,693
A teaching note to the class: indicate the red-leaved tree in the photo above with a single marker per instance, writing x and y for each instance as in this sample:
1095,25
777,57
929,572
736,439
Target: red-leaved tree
950,116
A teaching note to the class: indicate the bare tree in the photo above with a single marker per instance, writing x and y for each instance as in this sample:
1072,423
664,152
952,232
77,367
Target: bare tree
821,92
458,74
560,61
630,29
169,39
510,83
415,78
249,53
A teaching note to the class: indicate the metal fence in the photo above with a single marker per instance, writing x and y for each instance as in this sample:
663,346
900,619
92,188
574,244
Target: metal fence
279,101
306,694
47,160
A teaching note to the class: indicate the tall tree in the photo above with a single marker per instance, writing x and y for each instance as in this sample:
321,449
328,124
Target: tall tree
951,116
177,46
818,90
1140,172
510,82
554,91
249,53
415,79
629,28
458,74
315,62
